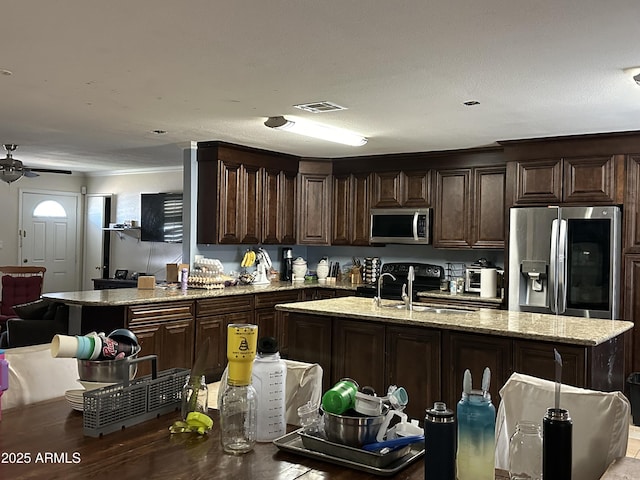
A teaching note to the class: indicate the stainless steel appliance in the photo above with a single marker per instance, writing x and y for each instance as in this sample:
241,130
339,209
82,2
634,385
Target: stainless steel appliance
400,225
565,260
472,274
427,277
472,279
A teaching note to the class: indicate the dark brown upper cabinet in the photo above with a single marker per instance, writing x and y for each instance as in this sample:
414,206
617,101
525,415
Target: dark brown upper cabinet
279,196
401,189
631,241
416,191
351,204
245,195
314,203
452,221
571,180
469,208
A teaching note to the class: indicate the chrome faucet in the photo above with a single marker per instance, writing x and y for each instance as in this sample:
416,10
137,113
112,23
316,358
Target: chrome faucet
377,299
408,297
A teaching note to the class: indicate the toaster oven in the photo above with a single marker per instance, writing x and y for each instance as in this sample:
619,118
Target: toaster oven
472,279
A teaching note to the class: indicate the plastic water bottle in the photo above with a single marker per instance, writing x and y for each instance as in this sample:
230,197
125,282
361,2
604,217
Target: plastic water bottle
184,278
268,377
476,417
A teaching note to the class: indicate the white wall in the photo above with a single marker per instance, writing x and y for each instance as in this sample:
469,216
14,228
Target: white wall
9,201
127,251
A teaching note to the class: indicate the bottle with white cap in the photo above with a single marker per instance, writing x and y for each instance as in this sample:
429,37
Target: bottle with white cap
268,377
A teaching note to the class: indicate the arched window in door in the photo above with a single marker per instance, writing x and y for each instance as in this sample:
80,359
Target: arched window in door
49,208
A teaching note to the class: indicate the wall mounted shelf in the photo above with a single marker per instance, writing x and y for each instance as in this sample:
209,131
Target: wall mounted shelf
132,231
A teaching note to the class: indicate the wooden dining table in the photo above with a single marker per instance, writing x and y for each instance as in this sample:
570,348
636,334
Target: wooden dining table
45,440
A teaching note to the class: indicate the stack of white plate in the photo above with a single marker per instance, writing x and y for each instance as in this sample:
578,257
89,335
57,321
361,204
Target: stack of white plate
93,385
75,398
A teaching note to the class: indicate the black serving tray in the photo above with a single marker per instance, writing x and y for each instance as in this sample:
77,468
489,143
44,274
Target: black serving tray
372,462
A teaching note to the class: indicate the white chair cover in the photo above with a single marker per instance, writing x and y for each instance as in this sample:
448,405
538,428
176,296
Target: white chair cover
600,421
34,375
303,384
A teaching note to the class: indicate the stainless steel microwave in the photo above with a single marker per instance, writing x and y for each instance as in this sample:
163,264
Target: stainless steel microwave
400,225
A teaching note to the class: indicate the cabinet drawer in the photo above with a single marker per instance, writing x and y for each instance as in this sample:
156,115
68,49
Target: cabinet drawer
270,300
233,303
159,312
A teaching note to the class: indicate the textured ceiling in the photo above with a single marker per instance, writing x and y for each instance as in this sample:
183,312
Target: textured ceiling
91,80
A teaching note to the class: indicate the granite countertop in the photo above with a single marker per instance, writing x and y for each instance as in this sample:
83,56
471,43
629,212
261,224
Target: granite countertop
134,296
531,326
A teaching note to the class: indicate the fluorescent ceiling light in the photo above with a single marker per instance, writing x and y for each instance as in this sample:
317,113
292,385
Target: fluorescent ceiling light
317,130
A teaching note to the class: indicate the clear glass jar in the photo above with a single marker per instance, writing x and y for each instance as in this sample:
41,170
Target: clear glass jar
310,419
525,452
238,419
195,396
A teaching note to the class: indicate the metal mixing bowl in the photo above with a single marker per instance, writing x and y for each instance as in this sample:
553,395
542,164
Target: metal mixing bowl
106,371
351,428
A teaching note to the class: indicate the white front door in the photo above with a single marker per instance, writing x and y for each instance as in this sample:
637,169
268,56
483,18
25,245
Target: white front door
49,237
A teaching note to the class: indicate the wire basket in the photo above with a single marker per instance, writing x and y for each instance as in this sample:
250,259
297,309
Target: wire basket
128,403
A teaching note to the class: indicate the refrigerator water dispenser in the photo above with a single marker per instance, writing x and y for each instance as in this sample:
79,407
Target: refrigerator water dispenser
535,273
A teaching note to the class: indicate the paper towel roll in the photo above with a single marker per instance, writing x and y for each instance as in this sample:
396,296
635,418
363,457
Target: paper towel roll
488,282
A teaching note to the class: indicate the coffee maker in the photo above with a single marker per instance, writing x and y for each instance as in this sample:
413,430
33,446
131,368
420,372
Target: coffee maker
286,265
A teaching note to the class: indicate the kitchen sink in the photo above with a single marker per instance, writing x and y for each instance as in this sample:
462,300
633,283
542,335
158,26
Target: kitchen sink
428,308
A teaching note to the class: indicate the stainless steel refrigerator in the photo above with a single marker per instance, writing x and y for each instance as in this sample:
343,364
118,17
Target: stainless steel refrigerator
565,260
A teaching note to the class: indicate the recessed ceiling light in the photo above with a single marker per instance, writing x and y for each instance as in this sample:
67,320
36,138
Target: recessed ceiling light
471,103
159,132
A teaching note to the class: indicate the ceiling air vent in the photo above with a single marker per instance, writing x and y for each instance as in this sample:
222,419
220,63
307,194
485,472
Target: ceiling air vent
320,107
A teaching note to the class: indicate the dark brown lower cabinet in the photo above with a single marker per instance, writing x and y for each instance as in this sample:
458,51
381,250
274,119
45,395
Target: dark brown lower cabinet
213,316
413,362
310,341
359,353
461,351
178,344
631,300
165,330
599,368
322,293
537,359
272,322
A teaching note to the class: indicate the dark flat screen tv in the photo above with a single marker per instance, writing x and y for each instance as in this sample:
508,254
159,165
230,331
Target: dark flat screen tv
161,217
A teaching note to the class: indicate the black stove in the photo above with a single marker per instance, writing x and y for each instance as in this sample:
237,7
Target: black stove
427,277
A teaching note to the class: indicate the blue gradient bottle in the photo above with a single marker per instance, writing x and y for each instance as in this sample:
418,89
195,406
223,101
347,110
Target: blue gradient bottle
476,418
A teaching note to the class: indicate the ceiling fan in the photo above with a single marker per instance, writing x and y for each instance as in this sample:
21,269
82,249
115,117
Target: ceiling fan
12,169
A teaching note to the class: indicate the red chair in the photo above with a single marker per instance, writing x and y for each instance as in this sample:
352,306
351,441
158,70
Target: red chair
19,285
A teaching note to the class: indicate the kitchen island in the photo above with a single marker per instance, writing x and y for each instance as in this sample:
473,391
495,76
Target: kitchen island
174,324
428,351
